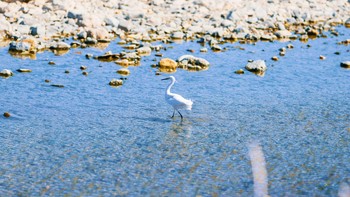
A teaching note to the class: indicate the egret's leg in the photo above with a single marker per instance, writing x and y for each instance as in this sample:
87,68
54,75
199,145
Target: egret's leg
173,114
180,114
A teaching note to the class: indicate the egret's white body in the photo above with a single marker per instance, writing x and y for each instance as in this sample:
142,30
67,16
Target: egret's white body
176,100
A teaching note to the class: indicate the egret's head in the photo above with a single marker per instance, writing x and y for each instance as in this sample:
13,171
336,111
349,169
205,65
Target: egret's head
171,77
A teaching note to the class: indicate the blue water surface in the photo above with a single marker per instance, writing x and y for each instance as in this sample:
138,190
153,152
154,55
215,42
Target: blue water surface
90,139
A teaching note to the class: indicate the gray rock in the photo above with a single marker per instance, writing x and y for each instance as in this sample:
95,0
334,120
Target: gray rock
125,25
37,31
74,14
256,66
111,21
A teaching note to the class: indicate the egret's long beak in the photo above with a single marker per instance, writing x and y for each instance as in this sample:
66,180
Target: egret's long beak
166,78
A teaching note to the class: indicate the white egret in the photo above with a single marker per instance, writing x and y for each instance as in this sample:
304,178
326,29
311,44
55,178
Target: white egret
176,100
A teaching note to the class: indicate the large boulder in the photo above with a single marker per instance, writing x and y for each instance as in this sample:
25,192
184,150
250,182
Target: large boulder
167,63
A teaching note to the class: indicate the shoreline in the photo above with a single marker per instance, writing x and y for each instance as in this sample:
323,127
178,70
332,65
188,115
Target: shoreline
41,25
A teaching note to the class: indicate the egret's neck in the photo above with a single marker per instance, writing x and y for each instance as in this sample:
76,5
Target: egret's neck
169,87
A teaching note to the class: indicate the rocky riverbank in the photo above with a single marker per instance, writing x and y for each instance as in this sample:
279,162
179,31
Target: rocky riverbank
44,24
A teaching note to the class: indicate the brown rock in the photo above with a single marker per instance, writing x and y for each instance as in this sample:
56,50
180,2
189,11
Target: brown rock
167,63
7,114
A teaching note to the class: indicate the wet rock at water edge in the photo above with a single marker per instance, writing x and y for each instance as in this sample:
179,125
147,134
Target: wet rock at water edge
116,82
60,46
6,73
19,47
123,71
216,48
347,22
256,66
345,64
177,35
24,70
7,114
107,57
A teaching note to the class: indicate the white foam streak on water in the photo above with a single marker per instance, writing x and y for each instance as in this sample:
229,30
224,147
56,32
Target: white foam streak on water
258,163
344,190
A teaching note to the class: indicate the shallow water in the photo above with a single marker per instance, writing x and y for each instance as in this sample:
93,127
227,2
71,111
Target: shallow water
91,139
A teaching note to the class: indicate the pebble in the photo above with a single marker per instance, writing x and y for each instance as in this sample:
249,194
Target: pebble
345,64
123,71
290,46
88,56
57,85
240,71
24,70
7,114
116,82
203,50
6,73
274,58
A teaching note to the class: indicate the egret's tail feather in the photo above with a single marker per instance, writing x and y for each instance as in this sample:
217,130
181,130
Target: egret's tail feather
189,105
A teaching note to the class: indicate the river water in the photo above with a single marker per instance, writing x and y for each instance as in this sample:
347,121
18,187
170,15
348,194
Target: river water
90,139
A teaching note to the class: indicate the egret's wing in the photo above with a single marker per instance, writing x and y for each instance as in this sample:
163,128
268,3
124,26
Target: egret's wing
180,102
